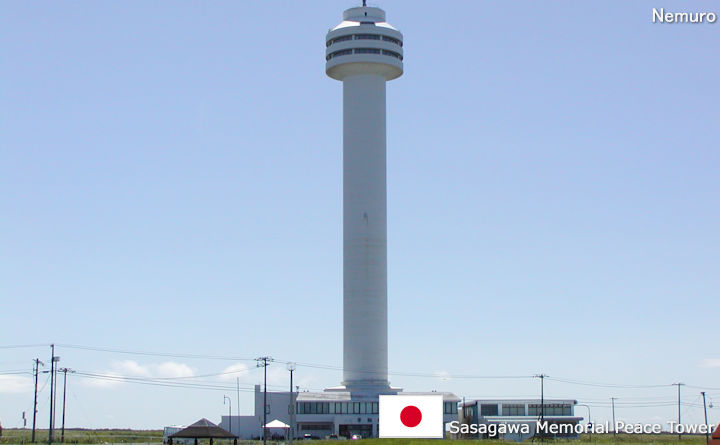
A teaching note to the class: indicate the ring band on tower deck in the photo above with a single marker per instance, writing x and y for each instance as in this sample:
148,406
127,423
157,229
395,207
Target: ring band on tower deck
364,52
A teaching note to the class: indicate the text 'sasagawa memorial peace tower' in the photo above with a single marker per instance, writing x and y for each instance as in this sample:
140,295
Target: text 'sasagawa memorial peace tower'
364,52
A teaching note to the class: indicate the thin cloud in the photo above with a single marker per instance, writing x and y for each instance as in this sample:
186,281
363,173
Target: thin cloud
171,369
130,368
710,363
234,371
15,384
279,378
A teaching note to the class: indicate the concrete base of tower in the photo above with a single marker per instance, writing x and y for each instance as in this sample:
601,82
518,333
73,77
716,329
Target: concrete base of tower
365,389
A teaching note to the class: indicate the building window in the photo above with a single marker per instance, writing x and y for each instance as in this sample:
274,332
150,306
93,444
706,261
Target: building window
550,409
489,410
513,409
449,408
315,427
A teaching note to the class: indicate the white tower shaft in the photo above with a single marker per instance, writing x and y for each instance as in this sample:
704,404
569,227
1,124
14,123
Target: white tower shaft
364,52
365,354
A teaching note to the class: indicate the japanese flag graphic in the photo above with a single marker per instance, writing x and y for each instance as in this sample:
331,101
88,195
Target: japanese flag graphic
411,416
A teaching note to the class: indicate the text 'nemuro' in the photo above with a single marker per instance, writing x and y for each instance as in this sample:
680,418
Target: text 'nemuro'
661,16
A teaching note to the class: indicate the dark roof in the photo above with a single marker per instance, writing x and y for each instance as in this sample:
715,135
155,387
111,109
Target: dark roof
203,429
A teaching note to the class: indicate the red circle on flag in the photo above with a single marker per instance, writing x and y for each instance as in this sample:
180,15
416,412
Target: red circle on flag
411,416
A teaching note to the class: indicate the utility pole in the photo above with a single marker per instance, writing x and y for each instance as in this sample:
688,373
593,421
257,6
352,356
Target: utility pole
52,393
263,362
291,368
613,414
678,386
229,412
237,381
542,401
707,427
37,371
64,371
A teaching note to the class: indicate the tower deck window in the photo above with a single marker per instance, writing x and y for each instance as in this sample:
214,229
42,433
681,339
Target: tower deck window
392,40
367,51
339,39
364,37
391,54
367,37
342,52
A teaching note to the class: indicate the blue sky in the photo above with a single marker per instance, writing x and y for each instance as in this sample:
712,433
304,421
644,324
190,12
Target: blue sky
171,182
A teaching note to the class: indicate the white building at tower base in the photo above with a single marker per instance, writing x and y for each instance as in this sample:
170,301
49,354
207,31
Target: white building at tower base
322,414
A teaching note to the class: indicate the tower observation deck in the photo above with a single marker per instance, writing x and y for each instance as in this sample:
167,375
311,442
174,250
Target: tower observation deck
364,52
364,43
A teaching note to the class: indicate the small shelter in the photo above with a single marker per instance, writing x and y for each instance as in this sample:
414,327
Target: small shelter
276,424
279,424
203,429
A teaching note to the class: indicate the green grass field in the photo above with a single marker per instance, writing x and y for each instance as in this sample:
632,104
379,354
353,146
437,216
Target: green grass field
81,436
18,436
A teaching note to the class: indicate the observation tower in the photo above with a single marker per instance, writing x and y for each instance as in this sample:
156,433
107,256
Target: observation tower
364,52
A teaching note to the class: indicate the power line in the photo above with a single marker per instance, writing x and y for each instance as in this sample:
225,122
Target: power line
180,381
335,368
606,385
156,354
410,374
151,382
307,365
702,387
15,372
